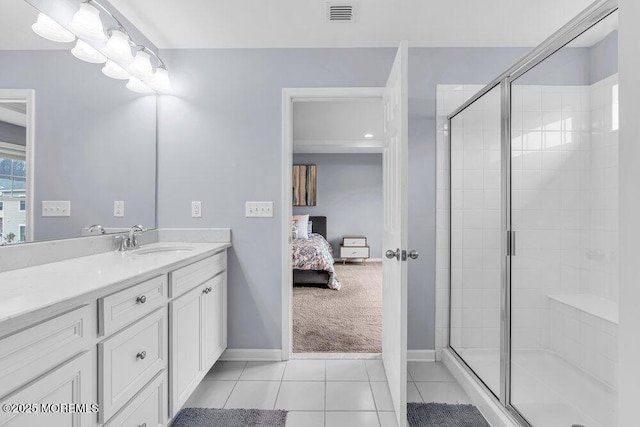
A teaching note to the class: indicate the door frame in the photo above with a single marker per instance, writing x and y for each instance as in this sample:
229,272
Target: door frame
289,96
28,96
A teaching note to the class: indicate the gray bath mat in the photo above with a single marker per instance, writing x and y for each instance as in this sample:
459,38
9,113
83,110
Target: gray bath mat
444,415
206,417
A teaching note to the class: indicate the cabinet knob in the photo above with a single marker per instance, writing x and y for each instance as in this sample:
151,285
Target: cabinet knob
141,299
142,425
207,290
141,355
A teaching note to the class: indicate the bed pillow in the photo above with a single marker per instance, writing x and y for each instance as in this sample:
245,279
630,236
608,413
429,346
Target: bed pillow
303,223
294,229
309,228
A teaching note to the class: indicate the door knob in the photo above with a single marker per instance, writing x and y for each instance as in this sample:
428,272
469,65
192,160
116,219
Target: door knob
414,254
391,254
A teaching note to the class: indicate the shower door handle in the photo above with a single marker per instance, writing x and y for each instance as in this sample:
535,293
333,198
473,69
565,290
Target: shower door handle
511,243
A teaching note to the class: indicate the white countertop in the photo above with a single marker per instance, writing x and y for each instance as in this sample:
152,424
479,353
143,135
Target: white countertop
35,291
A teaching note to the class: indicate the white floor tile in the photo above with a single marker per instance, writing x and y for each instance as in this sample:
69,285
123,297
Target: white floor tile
304,370
346,370
429,371
442,392
412,393
210,394
375,369
225,371
254,395
263,371
301,396
388,419
305,419
352,419
382,396
349,396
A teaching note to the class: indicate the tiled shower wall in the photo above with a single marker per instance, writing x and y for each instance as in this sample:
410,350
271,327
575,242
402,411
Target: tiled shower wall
565,212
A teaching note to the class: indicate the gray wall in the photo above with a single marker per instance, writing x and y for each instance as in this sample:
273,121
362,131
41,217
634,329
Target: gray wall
349,194
604,58
94,141
13,134
220,142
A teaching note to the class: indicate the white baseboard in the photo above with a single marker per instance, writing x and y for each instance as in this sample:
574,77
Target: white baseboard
421,355
250,354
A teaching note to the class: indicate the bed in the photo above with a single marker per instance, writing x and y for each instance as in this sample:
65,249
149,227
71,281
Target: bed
313,258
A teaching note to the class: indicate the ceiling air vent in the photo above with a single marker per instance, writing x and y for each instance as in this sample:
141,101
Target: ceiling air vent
340,12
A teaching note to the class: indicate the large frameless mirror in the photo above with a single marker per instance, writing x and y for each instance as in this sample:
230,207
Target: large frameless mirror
69,134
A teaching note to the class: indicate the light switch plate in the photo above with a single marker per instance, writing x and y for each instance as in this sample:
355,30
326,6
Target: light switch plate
258,209
56,208
118,208
196,209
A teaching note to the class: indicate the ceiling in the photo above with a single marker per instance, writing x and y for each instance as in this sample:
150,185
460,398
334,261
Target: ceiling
302,23
338,126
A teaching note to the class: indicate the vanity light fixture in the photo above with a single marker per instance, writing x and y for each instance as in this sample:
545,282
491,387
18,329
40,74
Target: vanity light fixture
87,53
138,86
49,29
94,46
160,80
118,46
368,135
87,25
113,70
141,65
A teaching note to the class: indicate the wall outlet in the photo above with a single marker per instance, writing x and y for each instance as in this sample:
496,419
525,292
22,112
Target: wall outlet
196,209
258,209
56,208
118,208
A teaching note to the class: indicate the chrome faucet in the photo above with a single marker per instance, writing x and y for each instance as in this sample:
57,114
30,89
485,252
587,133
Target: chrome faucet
130,241
96,227
134,232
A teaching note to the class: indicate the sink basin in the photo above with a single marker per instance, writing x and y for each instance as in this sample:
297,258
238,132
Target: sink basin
162,250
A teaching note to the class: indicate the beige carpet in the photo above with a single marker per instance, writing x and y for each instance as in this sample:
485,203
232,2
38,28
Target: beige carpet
344,321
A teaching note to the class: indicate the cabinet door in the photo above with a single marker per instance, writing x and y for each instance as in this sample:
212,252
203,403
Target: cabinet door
71,383
187,367
215,319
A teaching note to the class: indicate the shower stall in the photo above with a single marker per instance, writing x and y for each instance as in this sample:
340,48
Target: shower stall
534,229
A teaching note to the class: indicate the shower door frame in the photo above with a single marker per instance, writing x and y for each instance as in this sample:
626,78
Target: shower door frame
581,23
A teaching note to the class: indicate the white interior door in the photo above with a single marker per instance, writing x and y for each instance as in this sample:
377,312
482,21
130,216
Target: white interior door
394,301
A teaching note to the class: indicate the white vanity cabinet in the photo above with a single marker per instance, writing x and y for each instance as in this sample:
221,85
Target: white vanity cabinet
130,354
198,333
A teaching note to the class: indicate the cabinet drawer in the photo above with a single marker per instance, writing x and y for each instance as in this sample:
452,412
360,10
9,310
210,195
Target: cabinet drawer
29,353
354,252
70,383
129,359
148,408
354,241
188,277
126,306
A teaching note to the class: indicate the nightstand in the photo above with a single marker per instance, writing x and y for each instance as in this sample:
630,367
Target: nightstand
354,247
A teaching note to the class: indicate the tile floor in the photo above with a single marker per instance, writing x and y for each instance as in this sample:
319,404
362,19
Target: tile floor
322,393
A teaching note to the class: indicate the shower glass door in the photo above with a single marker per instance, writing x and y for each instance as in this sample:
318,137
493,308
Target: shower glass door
475,237
564,126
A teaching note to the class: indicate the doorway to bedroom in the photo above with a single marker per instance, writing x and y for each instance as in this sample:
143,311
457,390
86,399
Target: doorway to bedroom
337,180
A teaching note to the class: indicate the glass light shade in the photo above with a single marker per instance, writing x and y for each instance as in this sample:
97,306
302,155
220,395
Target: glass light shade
136,85
87,53
160,80
49,29
113,70
86,24
141,66
118,47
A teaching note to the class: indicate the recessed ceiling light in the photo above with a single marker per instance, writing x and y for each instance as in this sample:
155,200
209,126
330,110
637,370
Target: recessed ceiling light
368,135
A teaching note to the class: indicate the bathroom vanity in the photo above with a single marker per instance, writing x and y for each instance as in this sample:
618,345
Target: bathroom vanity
114,339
